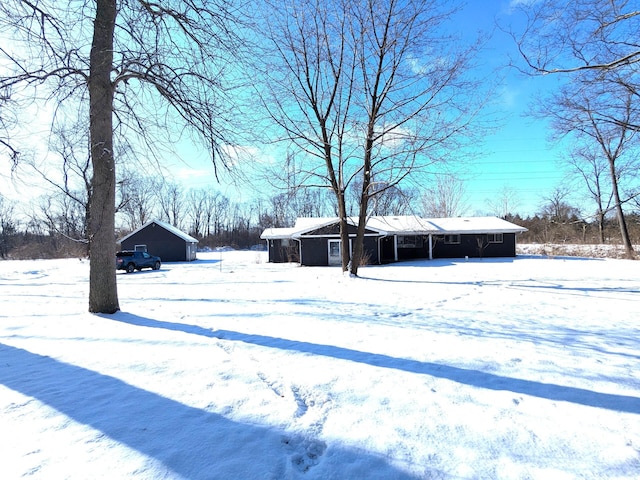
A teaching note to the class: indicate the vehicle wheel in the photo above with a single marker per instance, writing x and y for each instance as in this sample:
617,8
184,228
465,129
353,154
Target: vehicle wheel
130,268
156,266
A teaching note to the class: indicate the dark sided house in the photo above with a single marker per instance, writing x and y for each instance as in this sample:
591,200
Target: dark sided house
162,239
316,241
474,237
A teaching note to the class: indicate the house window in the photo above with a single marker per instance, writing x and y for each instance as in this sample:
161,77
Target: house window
494,237
452,239
284,242
409,241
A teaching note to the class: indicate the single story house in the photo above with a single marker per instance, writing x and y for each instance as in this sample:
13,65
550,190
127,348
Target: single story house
162,239
316,241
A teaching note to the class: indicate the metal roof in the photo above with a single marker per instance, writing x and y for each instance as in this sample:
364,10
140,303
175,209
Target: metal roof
470,225
399,224
403,225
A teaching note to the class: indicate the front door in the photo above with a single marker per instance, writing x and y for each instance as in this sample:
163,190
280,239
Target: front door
335,257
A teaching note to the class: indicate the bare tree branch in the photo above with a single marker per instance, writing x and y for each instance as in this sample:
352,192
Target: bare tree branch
147,69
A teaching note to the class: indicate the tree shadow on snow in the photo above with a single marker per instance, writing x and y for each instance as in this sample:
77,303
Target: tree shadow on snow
188,441
139,321
475,378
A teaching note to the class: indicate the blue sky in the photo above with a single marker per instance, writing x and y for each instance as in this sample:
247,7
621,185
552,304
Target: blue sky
516,157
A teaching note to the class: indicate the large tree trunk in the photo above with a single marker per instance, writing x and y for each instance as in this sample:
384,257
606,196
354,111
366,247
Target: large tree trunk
365,195
344,231
358,247
103,292
600,217
624,232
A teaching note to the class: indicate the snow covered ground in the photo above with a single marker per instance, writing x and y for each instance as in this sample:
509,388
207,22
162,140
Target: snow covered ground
233,368
574,250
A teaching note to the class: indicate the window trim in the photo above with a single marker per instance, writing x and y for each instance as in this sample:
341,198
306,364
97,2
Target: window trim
410,241
452,239
495,238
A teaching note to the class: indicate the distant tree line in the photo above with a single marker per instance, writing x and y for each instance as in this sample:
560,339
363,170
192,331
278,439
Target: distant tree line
56,226
571,229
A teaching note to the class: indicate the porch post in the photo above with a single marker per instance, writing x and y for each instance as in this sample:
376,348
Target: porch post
395,248
299,250
430,247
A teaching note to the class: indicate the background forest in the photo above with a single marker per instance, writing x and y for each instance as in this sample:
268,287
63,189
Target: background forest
58,227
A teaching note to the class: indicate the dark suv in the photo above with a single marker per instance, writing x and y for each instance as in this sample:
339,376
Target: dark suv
129,260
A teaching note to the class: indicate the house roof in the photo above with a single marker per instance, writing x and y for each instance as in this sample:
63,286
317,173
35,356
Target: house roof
308,224
275,233
471,225
304,224
402,225
166,226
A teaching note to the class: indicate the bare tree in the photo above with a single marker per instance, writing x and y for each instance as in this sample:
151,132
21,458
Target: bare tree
8,226
149,65
64,215
298,198
504,202
8,119
559,216
171,200
571,36
595,41
195,205
415,95
393,200
71,178
445,198
557,208
585,113
377,91
216,213
72,174
310,84
138,197
593,169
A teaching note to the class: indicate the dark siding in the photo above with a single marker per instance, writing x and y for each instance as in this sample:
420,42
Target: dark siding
414,253
159,241
505,249
279,253
371,251
315,251
329,230
386,250
333,231
475,246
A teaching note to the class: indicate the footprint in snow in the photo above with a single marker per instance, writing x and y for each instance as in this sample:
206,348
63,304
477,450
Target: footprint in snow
301,402
305,453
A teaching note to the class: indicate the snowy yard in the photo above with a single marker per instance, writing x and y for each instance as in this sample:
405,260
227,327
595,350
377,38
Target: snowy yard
233,368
